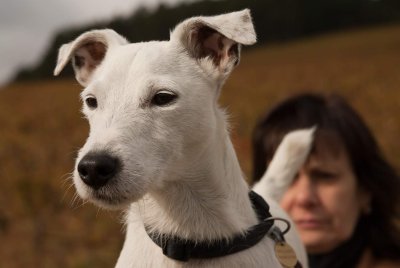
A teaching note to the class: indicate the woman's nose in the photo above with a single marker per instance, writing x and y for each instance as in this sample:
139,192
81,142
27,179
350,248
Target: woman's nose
306,192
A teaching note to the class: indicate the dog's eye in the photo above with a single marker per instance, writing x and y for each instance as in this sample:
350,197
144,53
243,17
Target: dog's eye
91,102
163,98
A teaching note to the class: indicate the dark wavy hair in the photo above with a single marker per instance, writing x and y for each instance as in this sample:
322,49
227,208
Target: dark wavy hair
374,174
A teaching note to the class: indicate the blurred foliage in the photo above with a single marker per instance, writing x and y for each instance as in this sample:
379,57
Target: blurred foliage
275,21
43,224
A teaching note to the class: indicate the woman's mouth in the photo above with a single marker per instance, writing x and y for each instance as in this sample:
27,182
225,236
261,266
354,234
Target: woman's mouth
308,224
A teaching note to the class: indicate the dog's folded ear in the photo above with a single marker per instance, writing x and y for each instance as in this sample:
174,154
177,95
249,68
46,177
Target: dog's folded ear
87,52
216,38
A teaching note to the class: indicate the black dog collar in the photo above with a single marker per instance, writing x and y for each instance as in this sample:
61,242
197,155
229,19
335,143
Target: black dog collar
182,250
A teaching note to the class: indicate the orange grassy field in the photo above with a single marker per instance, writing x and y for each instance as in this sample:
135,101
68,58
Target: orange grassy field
41,129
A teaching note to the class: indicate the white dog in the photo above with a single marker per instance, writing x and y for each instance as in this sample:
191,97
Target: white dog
159,145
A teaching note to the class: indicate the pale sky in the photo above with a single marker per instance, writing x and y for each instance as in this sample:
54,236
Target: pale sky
27,26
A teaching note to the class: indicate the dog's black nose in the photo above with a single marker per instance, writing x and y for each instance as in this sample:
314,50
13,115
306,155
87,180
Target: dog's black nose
96,169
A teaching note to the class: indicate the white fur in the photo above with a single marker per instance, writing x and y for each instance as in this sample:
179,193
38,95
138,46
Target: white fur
180,174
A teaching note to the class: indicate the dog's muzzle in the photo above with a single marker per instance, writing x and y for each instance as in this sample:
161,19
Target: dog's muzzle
96,169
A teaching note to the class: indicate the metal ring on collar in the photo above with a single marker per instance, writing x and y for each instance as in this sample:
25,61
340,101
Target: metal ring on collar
280,219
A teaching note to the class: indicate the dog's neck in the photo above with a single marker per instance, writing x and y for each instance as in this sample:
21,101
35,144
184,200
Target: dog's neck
210,201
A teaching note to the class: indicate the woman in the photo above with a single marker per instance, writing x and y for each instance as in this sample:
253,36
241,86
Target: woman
345,199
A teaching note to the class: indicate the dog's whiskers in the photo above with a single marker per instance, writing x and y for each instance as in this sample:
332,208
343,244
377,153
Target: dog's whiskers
75,205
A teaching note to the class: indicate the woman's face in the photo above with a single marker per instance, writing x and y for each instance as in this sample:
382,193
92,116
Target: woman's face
324,200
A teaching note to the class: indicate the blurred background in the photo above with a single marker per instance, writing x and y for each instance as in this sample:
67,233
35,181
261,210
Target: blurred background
349,47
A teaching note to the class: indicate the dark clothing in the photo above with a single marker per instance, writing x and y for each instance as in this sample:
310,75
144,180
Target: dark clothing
346,255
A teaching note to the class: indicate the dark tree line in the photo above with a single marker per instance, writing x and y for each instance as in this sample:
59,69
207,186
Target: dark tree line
275,21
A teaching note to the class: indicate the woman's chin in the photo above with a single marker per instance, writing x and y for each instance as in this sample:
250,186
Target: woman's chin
318,242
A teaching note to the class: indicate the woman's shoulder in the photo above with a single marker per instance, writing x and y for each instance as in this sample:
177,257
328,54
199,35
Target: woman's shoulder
369,261
387,264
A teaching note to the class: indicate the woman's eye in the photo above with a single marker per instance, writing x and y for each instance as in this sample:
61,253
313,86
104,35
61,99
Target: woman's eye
163,98
324,175
91,102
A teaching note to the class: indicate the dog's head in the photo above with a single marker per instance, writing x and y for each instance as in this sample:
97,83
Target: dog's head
151,106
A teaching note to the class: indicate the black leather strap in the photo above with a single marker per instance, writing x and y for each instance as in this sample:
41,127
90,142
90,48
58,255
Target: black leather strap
183,250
